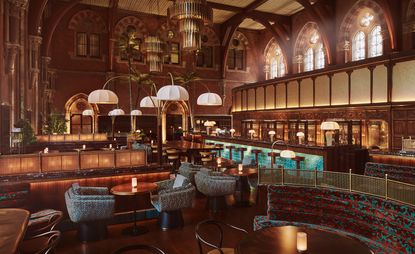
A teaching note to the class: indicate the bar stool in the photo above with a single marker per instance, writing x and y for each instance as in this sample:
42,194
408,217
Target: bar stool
230,151
242,150
273,155
221,148
206,157
210,143
173,157
298,160
256,152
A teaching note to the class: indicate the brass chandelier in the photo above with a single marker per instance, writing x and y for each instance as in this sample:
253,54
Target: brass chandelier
192,15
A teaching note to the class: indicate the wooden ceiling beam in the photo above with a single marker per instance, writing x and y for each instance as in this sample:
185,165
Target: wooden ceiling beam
255,4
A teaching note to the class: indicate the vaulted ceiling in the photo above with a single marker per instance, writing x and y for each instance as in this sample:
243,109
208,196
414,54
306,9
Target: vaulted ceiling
223,10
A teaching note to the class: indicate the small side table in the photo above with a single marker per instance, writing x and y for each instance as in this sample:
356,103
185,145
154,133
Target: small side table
127,190
242,190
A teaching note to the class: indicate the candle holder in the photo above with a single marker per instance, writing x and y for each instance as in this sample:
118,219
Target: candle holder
301,242
83,147
240,168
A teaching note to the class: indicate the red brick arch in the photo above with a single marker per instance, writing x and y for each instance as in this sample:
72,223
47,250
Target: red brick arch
123,23
345,33
78,20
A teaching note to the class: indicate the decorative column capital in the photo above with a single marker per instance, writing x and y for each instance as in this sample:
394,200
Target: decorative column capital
35,39
346,46
299,59
11,51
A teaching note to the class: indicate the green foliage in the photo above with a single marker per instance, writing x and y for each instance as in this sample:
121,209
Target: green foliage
129,44
27,131
55,123
185,79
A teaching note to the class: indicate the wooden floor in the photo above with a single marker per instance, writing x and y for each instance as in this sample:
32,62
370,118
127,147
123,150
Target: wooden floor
177,241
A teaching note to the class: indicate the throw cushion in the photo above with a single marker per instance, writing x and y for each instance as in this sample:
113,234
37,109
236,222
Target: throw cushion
178,181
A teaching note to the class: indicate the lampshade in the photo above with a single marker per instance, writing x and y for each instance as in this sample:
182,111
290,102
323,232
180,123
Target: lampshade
209,123
271,132
251,131
232,130
116,112
149,102
88,112
329,126
287,154
300,134
103,96
217,129
136,112
209,99
172,93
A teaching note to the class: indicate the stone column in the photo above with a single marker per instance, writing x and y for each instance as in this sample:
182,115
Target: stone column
35,42
346,49
299,61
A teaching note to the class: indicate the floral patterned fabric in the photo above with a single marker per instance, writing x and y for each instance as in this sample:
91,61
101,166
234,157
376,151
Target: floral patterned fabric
89,203
384,222
14,194
214,185
395,172
172,199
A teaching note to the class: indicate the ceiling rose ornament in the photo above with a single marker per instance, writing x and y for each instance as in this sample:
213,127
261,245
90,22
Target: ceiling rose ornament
192,15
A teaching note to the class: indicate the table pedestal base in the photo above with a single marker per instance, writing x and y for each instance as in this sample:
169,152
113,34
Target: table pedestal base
135,230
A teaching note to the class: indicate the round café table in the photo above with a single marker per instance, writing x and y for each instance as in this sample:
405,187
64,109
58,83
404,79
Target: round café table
127,190
242,189
283,240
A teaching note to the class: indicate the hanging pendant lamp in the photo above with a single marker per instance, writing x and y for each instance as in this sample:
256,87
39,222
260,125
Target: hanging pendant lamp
172,92
209,99
191,16
149,102
103,96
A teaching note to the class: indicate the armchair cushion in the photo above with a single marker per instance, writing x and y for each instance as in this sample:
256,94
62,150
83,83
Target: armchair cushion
178,181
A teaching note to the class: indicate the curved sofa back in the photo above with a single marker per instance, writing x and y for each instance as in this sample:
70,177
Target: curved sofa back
395,172
387,222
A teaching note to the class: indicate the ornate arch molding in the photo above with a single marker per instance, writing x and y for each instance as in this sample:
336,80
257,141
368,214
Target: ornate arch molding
87,19
213,39
303,38
271,45
123,23
164,30
242,38
353,14
77,97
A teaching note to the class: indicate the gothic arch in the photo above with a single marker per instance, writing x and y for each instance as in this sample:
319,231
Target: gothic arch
304,36
353,14
79,19
123,23
270,46
80,103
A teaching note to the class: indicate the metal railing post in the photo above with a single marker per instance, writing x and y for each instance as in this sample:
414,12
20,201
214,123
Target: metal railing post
386,186
282,176
315,177
350,180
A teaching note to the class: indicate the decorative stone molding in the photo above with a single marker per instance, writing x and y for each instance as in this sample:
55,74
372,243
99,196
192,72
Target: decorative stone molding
11,51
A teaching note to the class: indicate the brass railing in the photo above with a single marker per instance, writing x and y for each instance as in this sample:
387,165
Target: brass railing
380,187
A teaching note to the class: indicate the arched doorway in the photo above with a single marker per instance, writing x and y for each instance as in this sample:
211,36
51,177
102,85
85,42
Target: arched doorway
175,116
75,121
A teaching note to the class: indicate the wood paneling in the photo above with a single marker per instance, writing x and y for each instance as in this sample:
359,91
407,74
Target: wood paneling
260,98
269,97
380,84
322,96
244,101
280,95
340,89
292,94
251,99
403,81
238,101
306,93
360,86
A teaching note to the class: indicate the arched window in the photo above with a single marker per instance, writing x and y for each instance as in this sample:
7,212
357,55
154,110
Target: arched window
309,60
359,46
275,59
320,61
375,42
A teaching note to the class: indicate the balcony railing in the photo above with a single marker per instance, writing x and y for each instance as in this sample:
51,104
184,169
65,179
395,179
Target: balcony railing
380,187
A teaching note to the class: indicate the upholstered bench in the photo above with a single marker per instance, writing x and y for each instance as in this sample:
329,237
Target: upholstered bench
384,225
14,194
395,172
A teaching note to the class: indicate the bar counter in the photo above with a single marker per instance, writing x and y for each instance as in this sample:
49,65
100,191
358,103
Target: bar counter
336,158
394,158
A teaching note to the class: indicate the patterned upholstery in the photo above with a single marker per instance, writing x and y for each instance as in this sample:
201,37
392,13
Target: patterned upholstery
386,226
172,199
89,203
214,185
189,171
395,172
14,194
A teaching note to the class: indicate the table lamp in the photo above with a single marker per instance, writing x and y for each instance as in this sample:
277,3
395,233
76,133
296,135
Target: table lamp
232,131
271,135
329,128
251,132
301,242
300,136
134,182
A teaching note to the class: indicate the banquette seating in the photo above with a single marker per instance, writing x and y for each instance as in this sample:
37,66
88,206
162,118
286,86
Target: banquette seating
395,172
385,226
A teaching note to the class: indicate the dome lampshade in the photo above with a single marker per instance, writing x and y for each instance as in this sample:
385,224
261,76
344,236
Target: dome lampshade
116,112
232,130
271,132
329,126
136,112
251,131
288,154
88,112
149,102
103,96
172,93
300,134
209,99
209,123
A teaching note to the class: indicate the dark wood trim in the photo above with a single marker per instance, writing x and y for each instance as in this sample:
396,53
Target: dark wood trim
330,88
371,68
299,92
286,95
349,75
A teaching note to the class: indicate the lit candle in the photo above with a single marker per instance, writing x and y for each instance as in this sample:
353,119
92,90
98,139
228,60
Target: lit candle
152,142
110,146
240,167
134,182
83,147
219,161
301,242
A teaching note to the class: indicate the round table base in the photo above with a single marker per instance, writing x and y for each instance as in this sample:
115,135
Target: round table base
135,230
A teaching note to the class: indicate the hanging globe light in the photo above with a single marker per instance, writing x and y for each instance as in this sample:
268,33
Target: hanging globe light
191,16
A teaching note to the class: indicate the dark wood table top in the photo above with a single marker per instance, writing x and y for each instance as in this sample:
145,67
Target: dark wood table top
13,223
246,171
283,240
187,145
224,163
126,189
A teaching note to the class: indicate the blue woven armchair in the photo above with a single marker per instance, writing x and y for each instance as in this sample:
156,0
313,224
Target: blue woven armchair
172,196
215,186
91,207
